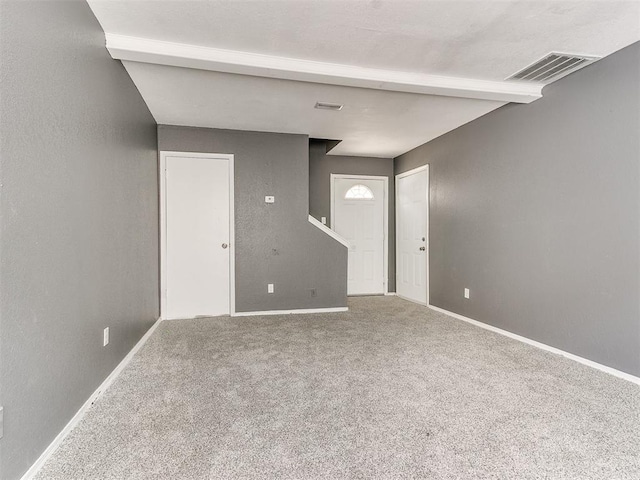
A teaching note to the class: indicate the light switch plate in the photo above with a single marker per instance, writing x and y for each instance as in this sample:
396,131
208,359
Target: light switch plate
270,288
466,293
269,199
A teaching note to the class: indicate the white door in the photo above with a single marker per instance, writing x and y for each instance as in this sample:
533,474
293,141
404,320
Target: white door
412,220
358,216
197,236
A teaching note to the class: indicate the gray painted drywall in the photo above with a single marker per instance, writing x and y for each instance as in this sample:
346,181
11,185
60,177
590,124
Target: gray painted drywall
275,243
321,166
536,209
78,219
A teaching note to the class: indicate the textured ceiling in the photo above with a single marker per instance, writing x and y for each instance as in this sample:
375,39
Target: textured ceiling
485,40
476,39
372,122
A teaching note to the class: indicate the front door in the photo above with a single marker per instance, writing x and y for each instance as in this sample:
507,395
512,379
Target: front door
358,216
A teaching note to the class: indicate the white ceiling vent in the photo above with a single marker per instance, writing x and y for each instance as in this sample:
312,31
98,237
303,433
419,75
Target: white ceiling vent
552,67
328,106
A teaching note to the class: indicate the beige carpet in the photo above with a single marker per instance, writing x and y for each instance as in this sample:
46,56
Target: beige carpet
388,390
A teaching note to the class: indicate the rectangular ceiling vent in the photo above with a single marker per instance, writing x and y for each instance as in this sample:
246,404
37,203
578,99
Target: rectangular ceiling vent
552,67
328,106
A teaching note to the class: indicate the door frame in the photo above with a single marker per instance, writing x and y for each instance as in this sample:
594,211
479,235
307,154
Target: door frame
164,154
408,173
385,217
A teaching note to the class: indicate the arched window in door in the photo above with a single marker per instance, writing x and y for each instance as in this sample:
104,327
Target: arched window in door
359,192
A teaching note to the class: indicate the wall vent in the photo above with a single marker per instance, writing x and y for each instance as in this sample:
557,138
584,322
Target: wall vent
328,106
552,67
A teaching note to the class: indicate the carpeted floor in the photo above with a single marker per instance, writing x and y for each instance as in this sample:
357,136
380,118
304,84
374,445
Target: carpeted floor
388,390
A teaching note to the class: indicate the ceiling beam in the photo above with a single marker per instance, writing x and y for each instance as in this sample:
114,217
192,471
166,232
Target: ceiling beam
244,63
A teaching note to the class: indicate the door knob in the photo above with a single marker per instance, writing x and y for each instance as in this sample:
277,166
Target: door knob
224,245
422,249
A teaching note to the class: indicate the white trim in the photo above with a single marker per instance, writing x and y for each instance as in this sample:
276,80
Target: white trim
542,346
197,317
424,304
163,224
292,312
413,171
122,47
314,221
385,217
42,459
232,235
391,294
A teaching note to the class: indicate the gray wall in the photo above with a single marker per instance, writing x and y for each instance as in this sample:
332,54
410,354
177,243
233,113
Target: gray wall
536,209
275,243
321,166
78,218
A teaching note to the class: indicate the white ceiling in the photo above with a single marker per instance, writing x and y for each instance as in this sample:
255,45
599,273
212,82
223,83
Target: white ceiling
373,122
473,42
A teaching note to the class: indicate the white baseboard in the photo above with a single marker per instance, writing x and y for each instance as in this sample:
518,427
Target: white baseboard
424,304
291,312
390,294
557,351
197,317
35,468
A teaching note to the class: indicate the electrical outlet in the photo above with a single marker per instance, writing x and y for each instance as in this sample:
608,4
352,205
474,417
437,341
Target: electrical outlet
270,288
105,337
323,220
466,293
314,292
269,199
